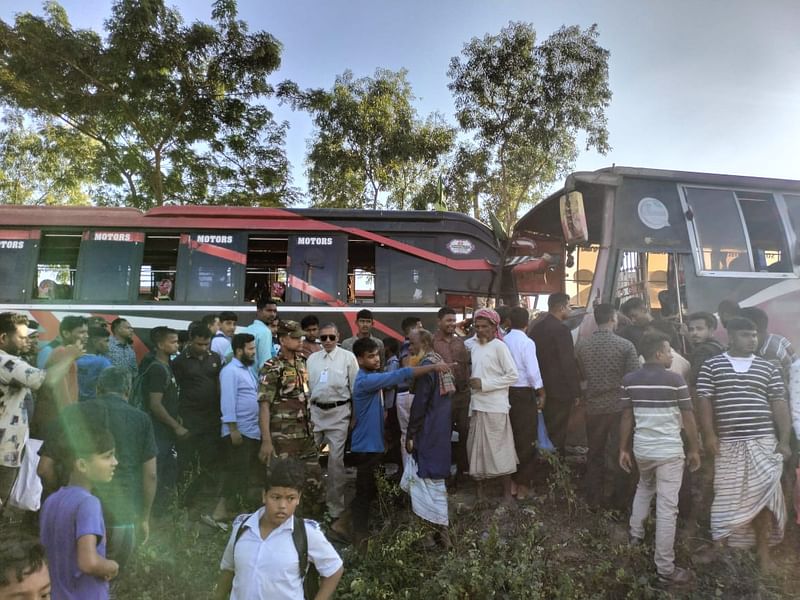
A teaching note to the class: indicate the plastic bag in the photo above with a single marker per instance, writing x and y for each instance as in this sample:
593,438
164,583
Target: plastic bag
27,491
543,440
409,473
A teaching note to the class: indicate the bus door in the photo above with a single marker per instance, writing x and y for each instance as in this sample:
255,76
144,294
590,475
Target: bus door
317,269
108,266
211,267
18,250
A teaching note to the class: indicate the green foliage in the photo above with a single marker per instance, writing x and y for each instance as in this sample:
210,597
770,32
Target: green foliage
175,111
525,105
370,149
43,162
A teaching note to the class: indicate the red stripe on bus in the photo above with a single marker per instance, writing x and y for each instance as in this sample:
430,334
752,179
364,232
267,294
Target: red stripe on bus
19,234
218,251
313,291
387,330
47,321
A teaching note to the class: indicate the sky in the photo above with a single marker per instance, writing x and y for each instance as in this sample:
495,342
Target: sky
698,85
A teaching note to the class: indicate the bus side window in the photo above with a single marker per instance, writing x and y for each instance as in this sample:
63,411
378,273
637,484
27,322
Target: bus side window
405,279
266,274
763,223
722,241
159,266
793,208
56,266
360,271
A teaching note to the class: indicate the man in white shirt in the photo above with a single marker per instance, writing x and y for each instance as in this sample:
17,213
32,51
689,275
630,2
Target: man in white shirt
265,554
17,378
526,398
331,375
491,440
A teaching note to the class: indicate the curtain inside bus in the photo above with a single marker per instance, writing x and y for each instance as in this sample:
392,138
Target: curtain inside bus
108,266
317,268
211,267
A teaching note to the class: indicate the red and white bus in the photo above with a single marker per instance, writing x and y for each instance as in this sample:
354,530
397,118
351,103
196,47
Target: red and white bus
171,265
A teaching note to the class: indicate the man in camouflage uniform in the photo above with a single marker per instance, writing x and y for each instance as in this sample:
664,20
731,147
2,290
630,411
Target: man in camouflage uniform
283,415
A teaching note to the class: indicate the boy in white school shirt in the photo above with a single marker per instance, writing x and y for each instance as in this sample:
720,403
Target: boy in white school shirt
262,560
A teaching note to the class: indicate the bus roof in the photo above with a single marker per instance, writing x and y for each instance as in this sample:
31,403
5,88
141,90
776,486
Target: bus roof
244,218
548,209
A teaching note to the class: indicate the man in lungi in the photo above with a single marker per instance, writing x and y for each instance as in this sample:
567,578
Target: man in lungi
490,444
742,403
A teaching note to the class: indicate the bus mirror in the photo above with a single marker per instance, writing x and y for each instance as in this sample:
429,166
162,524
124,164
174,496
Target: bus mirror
797,252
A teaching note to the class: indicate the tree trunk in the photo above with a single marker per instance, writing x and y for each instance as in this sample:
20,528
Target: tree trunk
158,188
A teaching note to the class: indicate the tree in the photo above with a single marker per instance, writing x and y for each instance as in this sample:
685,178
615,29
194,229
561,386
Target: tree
525,106
44,163
176,110
370,148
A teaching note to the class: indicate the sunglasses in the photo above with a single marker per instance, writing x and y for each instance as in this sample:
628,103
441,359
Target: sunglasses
327,338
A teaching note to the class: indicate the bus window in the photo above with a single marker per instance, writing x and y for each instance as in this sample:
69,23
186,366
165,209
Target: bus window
266,272
316,268
107,266
767,242
578,278
17,252
403,278
793,207
360,271
212,266
651,277
722,241
57,265
159,266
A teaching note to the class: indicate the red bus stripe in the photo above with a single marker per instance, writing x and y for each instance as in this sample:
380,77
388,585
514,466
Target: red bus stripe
219,252
312,291
19,234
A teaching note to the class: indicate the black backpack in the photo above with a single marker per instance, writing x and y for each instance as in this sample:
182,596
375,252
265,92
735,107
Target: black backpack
308,572
137,398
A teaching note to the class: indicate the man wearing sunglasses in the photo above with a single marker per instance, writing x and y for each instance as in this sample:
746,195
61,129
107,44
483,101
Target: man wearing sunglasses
331,374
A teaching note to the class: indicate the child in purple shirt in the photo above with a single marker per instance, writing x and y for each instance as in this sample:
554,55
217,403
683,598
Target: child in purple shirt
72,528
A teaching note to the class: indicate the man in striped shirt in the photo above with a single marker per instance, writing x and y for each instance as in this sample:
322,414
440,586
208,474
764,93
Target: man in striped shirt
658,401
742,402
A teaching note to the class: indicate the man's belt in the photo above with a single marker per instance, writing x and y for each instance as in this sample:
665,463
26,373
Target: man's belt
330,405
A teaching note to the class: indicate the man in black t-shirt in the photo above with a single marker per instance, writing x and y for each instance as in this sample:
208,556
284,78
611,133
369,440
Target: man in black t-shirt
160,394
197,370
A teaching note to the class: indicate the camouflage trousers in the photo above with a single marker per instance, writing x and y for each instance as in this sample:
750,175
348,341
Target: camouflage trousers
305,450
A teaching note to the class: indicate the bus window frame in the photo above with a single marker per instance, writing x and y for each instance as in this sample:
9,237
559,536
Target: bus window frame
135,266
699,266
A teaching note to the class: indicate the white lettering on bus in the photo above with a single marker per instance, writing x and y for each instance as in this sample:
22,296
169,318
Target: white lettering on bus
12,244
109,236
215,239
314,241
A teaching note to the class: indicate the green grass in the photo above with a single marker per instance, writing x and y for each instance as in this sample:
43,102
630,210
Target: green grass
554,549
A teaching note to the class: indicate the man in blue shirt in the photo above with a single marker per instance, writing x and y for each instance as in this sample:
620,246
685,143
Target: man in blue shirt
240,432
367,437
94,362
266,313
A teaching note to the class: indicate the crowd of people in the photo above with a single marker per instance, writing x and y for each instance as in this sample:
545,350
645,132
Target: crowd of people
699,420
